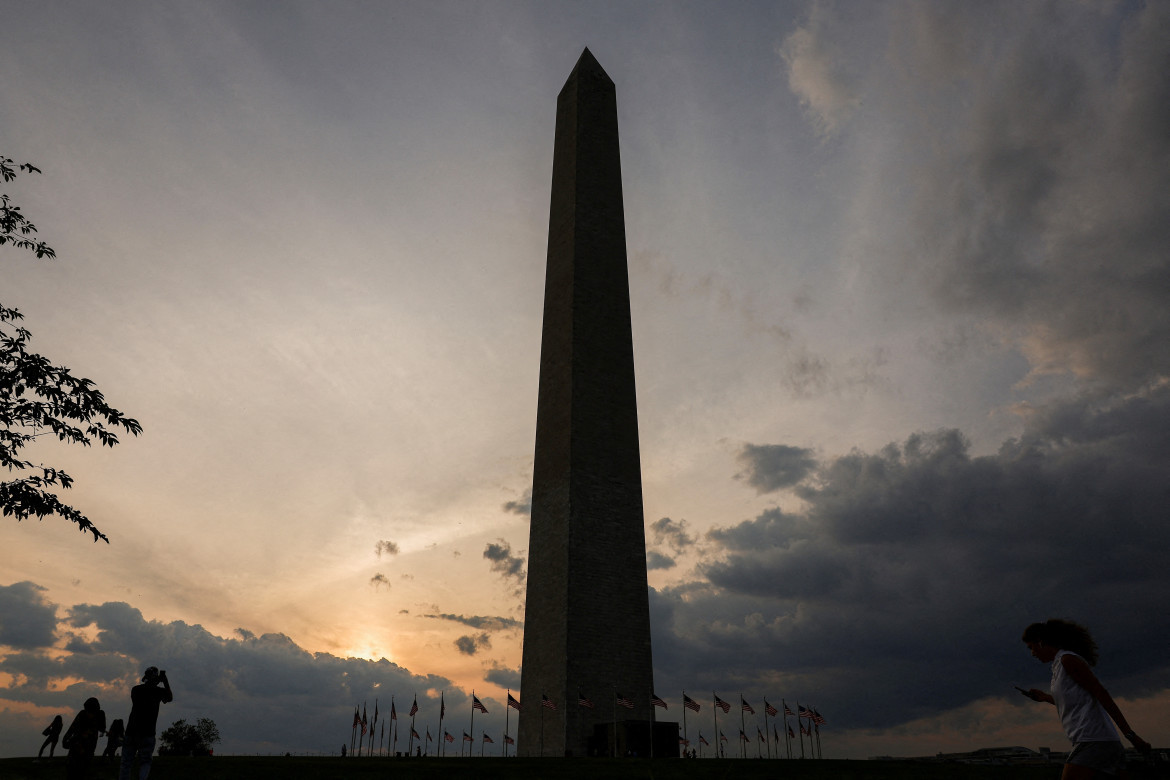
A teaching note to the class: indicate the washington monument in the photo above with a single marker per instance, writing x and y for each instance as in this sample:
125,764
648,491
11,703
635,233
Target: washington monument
587,619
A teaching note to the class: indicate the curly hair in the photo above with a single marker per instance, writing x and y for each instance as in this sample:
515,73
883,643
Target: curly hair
1066,635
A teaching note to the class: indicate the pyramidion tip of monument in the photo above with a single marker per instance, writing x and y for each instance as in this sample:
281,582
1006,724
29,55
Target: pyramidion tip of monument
588,64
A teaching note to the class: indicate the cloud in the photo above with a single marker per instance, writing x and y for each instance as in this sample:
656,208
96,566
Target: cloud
816,74
503,676
673,533
383,546
504,563
656,560
470,645
924,558
27,620
771,467
482,622
521,507
1029,200
378,580
265,693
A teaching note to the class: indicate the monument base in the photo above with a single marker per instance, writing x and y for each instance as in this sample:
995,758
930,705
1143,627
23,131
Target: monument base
632,739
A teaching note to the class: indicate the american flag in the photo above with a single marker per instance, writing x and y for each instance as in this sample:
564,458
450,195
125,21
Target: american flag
584,701
513,703
545,701
414,707
375,710
429,738
657,702
414,733
683,741
476,704
393,714
787,711
803,712
768,708
447,736
804,731
442,705
775,733
690,703
357,718
622,701
817,719
745,706
791,733
743,737
722,704
508,740
703,739
760,734
467,737
488,739
722,737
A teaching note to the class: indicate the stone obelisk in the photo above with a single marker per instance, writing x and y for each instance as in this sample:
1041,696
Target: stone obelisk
587,619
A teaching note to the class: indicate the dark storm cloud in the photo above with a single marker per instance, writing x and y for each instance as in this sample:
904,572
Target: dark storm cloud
771,467
1044,214
521,507
481,622
383,546
265,693
672,533
504,563
27,621
503,676
470,645
656,560
923,559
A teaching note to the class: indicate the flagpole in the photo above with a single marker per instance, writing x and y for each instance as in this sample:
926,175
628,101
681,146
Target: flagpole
542,709
442,712
766,737
506,714
687,736
353,730
715,712
742,729
613,701
652,716
801,726
394,717
471,731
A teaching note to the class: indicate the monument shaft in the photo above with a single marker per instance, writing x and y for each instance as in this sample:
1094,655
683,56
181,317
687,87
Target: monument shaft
587,618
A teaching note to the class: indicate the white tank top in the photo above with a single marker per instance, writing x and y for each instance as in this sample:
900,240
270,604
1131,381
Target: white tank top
1083,717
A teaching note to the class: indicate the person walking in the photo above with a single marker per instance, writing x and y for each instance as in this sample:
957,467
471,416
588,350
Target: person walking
1083,704
140,727
82,737
52,733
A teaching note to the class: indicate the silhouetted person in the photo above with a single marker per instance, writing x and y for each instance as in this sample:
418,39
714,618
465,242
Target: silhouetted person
114,738
52,733
82,737
1082,702
139,741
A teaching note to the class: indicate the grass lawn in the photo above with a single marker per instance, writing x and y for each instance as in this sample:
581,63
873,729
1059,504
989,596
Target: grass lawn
302,768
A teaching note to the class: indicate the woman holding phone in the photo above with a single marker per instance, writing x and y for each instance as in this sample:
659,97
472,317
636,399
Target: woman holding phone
1082,702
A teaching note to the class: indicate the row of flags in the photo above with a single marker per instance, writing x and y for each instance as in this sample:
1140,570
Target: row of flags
814,721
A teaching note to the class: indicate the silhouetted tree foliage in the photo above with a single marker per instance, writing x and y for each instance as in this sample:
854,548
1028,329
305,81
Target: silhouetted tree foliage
38,398
189,739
